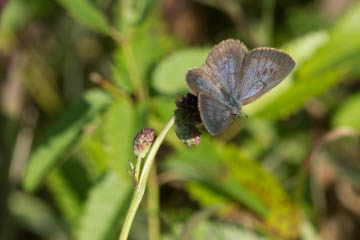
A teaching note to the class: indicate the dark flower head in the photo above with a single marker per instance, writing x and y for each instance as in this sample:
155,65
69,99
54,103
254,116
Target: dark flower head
143,141
188,134
187,110
187,116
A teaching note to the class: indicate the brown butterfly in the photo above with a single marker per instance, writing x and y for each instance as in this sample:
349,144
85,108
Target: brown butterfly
232,77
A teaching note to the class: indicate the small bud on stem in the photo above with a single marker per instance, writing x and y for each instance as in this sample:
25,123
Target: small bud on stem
143,141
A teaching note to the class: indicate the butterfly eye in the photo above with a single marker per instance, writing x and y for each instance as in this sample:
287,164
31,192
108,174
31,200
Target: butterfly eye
237,114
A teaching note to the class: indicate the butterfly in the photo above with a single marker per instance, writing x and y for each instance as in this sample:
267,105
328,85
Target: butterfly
232,77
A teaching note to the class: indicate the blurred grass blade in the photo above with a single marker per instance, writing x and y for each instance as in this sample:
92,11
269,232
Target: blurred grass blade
39,78
169,76
35,215
83,12
60,137
348,113
308,230
105,209
14,16
134,11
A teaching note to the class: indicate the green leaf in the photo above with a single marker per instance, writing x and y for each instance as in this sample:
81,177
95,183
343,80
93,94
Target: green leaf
83,12
304,47
69,185
296,96
348,113
35,215
220,231
283,217
227,177
210,230
163,107
18,14
61,137
206,196
65,198
15,15
169,76
105,209
95,155
342,49
119,132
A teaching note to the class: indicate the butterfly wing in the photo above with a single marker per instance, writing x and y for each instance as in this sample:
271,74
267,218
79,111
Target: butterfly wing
222,70
264,68
215,115
226,60
203,80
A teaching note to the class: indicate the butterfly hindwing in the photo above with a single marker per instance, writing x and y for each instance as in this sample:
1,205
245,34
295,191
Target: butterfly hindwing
215,115
264,68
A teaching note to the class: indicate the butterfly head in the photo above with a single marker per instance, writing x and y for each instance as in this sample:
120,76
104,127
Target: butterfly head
236,110
233,104
238,113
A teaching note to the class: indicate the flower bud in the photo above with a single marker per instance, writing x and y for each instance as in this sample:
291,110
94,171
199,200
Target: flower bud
143,141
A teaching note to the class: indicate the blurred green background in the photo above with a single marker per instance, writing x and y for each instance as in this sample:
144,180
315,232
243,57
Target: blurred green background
289,171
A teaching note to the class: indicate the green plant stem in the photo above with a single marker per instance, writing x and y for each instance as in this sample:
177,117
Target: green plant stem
140,187
138,168
153,205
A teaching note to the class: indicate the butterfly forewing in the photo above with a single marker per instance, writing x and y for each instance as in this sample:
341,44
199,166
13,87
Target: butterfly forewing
264,68
226,60
203,80
215,115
